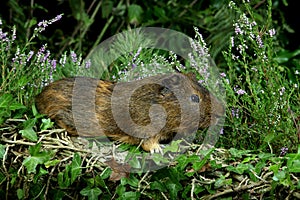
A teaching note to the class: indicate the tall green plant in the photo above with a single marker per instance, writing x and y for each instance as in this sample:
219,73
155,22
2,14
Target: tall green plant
259,97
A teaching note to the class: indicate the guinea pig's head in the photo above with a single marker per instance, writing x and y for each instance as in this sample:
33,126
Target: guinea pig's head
199,107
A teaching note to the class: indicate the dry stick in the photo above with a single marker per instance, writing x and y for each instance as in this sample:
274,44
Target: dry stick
193,188
46,146
48,181
143,178
7,177
37,196
253,172
228,191
18,142
164,195
4,158
187,8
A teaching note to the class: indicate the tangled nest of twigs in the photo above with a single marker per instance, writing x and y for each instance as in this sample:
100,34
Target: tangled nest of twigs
95,161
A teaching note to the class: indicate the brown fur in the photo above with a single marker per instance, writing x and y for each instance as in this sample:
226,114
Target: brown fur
94,115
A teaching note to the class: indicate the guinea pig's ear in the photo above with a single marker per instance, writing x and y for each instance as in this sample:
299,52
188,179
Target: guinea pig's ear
192,76
172,81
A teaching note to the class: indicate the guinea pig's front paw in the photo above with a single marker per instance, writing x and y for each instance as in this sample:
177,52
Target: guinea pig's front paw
157,148
152,145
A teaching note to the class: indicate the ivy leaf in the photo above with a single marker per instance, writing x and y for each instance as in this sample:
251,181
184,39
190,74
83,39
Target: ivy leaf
131,195
36,157
240,168
63,178
293,162
158,185
173,147
41,172
29,134
75,167
91,193
71,172
46,123
173,189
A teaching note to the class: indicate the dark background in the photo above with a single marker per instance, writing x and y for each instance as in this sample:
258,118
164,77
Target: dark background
17,12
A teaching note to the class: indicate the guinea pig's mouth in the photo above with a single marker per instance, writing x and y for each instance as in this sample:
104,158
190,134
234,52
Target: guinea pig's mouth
215,118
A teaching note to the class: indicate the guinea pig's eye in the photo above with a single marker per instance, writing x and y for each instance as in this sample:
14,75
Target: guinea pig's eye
195,98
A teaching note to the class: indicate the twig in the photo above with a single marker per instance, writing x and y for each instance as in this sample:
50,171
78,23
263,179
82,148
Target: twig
193,188
228,191
143,178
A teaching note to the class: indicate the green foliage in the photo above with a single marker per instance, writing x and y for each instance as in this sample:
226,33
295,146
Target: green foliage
8,105
261,101
262,86
36,157
72,171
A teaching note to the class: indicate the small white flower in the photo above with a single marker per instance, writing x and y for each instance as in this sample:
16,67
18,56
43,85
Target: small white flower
272,32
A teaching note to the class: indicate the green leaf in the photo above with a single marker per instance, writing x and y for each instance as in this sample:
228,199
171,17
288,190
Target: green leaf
16,106
199,164
22,81
51,163
63,179
37,157
106,173
264,156
279,176
4,114
46,123
135,14
20,193
293,162
269,137
238,153
173,189
100,182
106,8
158,159
29,123
132,180
120,189
2,150
159,12
215,165
222,181
75,167
31,163
240,168
5,100
91,193
285,56
29,134
158,185
135,163
130,195
77,7
173,147
34,110
248,159
41,172
183,160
